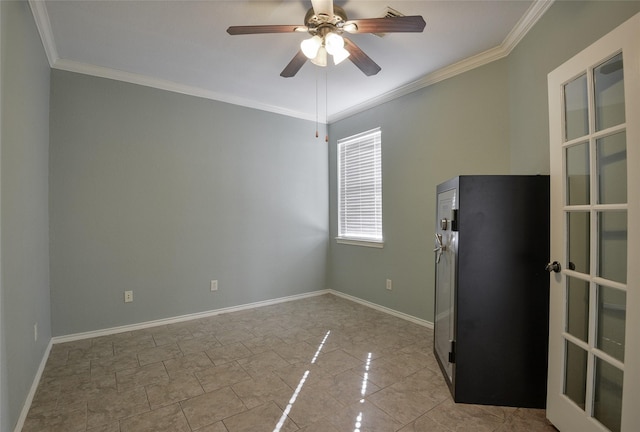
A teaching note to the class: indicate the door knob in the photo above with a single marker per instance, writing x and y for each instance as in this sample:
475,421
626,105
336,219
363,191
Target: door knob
553,267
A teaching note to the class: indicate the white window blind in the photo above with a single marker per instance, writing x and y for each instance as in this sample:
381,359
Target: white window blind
360,187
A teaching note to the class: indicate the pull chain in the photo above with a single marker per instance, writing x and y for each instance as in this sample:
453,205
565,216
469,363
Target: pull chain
326,103
317,134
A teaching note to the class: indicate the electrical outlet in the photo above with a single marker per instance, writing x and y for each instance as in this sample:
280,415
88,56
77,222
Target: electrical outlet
389,285
128,296
214,285
35,332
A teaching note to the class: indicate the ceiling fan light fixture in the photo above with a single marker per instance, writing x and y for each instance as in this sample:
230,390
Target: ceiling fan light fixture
334,43
311,46
321,58
326,22
340,55
350,27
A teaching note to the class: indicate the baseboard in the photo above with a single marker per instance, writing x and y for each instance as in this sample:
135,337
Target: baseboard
165,321
384,309
188,317
87,335
32,390
181,318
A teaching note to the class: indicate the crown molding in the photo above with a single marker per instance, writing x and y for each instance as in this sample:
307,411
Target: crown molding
519,31
43,24
458,68
528,20
162,84
41,16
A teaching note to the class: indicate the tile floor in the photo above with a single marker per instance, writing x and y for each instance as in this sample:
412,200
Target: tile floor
321,364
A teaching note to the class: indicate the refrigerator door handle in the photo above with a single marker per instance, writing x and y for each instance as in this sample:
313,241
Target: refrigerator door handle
440,247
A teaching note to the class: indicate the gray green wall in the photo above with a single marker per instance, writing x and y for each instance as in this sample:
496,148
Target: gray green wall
458,126
160,193
493,119
566,29
24,263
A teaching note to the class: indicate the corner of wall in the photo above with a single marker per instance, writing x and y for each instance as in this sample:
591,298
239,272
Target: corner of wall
24,257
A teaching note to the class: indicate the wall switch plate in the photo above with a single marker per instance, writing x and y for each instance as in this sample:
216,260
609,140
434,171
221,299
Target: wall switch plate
128,296
389,285
214,285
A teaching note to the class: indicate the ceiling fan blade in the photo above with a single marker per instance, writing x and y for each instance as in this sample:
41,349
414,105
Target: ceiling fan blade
260,29
323,7
294,65
360,59
413,23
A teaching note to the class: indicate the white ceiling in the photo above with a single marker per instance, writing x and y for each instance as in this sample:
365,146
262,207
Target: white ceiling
182,46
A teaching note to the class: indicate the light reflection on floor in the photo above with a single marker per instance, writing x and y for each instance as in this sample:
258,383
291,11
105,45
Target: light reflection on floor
287,410
291,402
315,357
363,391
406,393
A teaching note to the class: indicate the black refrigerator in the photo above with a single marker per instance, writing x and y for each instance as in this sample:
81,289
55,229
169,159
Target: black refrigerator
491,319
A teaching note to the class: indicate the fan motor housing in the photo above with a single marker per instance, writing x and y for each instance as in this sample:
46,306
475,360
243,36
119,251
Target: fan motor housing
315,22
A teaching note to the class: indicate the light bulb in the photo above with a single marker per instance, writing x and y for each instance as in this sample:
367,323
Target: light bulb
333,42
340,55
311,46
350,27
321,58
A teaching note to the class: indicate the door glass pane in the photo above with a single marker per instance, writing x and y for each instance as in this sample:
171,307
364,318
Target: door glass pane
575,378
575,108
612,245
612,169
578,308
578,232
577,160
612,312
609,93
607,404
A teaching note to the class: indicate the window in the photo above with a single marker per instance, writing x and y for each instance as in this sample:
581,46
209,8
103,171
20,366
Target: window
360,189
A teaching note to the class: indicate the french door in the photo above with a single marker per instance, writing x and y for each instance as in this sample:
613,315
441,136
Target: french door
594,326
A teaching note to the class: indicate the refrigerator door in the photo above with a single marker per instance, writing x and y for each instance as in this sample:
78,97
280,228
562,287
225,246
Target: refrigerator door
491,289
445,258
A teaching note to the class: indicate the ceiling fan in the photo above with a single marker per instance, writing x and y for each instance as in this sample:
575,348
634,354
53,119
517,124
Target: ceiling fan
326,23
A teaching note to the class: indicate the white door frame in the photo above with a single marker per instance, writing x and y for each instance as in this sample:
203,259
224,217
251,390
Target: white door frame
567,416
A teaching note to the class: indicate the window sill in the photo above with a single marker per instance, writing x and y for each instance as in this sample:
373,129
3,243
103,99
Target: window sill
365,243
